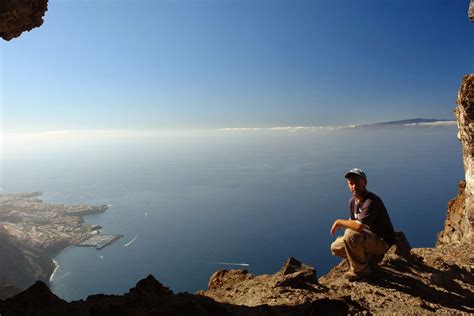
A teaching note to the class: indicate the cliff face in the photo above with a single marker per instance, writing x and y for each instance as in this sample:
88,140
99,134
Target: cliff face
465,116
17,16
459,224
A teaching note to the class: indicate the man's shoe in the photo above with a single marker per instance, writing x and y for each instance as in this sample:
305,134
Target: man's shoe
352,276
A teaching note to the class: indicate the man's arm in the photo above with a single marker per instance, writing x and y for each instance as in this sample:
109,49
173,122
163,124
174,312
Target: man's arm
339,223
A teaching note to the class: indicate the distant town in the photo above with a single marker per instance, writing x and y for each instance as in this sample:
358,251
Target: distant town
50,226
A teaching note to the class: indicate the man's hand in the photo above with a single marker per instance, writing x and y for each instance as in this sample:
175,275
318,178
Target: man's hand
339,223
336,226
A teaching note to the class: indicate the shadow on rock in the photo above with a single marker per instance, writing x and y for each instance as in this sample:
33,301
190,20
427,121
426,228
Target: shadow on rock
438,287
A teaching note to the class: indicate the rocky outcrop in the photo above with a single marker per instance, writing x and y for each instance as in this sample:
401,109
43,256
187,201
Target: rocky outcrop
429,280
150,297
294,284
17,16
465,116
459,224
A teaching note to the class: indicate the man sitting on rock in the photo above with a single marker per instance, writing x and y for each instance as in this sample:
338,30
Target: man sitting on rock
369,231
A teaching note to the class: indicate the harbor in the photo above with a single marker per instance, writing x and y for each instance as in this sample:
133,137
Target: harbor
99,241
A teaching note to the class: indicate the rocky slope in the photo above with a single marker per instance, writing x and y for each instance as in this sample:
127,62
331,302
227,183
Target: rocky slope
429,280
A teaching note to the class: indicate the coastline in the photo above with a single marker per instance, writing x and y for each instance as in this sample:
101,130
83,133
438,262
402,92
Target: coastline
34,232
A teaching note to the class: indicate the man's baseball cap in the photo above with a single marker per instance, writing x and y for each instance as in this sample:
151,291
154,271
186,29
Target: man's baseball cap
357,172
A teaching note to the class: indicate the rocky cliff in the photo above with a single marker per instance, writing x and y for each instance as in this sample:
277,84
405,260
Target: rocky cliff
459,224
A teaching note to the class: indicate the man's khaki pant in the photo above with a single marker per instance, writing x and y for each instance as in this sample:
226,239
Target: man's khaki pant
358,248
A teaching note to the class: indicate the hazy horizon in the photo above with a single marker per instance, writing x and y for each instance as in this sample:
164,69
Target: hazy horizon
7,133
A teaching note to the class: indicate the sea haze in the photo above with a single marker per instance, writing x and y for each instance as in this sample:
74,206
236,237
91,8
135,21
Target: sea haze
190,203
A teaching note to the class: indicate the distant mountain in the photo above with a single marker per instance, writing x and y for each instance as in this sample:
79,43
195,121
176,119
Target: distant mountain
411,122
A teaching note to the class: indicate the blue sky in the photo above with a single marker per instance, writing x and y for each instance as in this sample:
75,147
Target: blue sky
109,64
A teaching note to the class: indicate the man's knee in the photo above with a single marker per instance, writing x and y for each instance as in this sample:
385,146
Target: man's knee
338,247
353,237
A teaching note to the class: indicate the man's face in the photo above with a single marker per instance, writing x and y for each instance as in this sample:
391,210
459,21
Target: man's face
357,185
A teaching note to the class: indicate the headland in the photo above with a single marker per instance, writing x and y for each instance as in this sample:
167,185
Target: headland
32,232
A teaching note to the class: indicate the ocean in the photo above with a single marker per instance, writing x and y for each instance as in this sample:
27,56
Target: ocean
192,202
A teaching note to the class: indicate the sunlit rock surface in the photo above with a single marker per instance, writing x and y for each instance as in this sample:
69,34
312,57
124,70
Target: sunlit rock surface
459,224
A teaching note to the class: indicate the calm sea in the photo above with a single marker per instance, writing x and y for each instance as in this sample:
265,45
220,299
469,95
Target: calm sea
187,203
